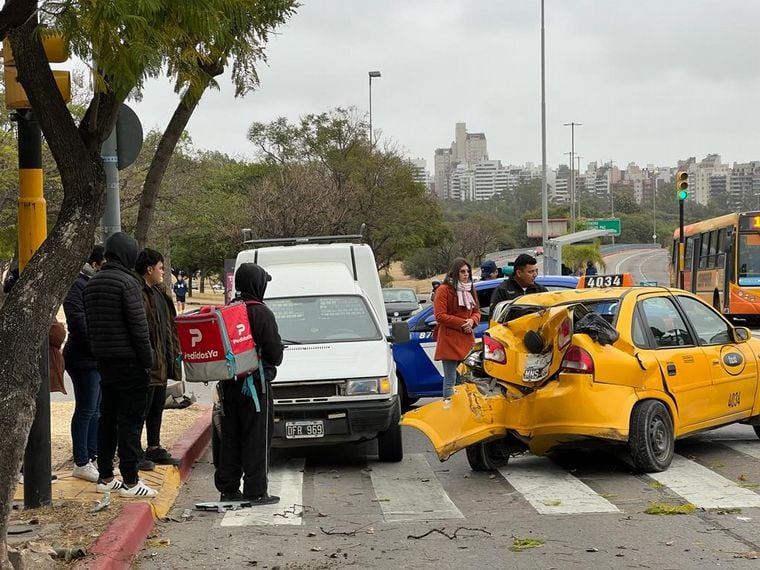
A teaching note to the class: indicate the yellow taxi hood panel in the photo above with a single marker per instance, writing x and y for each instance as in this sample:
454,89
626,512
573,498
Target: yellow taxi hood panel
471,418
547,323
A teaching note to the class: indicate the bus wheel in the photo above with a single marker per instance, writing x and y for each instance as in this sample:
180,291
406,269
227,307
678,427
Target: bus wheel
716,300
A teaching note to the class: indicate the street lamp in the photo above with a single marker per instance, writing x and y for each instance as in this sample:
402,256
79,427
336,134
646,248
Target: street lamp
578,193
572,172
654,208
371,74
544,190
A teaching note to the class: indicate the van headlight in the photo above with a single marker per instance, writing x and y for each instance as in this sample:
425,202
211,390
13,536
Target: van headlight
360,386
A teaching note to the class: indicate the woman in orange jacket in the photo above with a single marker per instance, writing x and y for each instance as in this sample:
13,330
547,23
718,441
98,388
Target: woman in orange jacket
457,313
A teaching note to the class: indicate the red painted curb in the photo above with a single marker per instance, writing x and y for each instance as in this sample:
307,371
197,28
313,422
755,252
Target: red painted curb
122,539
192,444
126,534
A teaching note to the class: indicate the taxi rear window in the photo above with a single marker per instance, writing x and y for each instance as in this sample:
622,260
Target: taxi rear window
607,308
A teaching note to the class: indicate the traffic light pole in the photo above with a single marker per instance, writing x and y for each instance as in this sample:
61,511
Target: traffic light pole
32,230
681,246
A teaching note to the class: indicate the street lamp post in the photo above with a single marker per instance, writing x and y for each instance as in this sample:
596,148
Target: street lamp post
654,208
371,74
572,173
578,193
544,190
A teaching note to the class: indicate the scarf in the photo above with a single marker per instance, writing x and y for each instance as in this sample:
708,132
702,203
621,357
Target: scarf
464,296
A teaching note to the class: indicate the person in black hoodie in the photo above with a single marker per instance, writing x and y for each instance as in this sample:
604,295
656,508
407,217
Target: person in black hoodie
120,342
83,370
521,282
247,403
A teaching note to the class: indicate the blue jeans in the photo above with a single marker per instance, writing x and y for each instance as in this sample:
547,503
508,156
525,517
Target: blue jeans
450,377
84,422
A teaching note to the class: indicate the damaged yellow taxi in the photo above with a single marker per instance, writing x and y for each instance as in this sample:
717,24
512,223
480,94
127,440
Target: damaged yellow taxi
634,366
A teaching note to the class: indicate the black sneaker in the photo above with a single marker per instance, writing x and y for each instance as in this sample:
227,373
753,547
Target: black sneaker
160,456
265,499
145,464
231,496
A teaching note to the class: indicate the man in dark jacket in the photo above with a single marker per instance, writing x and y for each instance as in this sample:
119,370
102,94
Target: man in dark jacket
83,370
120,342
159,308
247,402
521,282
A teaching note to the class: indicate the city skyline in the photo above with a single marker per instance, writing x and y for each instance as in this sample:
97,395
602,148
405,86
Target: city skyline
650,82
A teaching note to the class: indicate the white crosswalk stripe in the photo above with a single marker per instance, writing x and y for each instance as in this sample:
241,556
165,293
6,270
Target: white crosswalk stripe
751,448
704,488
286,481
410,491
551,490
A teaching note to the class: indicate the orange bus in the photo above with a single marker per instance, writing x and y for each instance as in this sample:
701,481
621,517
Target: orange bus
722,263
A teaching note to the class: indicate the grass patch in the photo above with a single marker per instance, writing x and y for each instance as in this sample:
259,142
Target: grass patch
520,544
668,509
749,485
656,485
552,502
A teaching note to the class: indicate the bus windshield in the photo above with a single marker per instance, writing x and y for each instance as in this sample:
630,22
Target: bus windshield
749,259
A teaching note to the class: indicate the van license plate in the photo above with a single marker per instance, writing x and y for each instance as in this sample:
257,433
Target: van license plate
304,430
537,367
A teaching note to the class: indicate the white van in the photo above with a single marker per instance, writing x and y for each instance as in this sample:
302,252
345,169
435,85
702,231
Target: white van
337,381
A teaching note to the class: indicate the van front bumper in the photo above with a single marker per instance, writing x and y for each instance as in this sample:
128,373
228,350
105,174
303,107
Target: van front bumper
343,421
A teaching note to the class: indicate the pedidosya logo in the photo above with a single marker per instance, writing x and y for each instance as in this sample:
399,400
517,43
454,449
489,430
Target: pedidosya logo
196,336
242,336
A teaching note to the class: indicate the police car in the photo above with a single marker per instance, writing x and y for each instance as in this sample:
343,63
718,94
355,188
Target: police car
419,375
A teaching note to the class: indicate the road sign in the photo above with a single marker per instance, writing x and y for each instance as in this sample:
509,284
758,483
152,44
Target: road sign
605,224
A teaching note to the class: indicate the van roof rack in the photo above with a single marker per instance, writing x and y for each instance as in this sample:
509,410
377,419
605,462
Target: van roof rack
352,238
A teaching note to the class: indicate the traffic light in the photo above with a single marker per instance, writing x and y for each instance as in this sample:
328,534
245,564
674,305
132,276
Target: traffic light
55,50
682,184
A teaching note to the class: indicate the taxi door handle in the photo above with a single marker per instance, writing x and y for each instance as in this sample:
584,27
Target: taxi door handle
671,369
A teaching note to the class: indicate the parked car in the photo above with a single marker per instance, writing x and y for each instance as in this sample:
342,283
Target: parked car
636,367
419,375
400,303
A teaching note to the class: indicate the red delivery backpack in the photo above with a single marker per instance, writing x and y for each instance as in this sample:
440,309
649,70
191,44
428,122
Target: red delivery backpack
217,343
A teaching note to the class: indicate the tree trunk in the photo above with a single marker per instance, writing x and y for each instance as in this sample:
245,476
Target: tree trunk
28,310
163,155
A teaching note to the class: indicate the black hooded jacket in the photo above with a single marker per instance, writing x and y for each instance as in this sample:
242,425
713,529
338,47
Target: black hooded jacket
510,289
251,282
113,304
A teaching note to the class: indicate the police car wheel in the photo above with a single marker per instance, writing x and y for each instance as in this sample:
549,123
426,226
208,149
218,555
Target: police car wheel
406,401
488,456
651,440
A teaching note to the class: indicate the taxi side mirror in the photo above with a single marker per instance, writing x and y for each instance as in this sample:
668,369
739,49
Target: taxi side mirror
399,332
742,334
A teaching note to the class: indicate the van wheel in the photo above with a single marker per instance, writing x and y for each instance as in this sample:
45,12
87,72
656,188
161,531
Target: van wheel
488,455
716,300
389,445
651,441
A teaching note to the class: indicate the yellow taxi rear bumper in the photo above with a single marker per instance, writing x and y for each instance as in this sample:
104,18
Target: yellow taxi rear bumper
562,410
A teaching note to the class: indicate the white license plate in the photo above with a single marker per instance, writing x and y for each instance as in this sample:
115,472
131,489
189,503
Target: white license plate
304,430
537,367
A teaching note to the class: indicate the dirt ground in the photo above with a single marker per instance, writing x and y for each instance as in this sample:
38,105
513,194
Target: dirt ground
400,279
68,524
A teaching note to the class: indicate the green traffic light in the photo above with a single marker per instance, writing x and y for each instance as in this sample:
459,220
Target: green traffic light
683,194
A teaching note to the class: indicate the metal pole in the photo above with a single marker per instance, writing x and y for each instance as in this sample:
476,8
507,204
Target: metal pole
544,191
110,223
572,126
370,110
32,230
681,243
654,210
578,196
612,196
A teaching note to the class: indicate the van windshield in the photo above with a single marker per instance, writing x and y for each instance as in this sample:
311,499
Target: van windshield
306,320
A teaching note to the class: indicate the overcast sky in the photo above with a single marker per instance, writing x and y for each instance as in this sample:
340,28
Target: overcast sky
651,81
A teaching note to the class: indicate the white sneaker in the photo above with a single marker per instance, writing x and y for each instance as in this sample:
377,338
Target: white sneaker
88,472
447,403
140,491
114,485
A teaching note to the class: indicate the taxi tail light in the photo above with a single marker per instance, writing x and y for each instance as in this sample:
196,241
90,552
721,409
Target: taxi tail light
493,350
565,334
577,361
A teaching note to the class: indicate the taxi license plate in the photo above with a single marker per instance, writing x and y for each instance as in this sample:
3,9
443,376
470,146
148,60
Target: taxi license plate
304,430
537,366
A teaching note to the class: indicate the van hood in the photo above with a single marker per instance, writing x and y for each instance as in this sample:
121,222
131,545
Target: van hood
334,361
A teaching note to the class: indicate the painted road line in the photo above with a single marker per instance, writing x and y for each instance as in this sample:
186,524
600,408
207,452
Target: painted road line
410,491
751,448
704,488
286,481
551,490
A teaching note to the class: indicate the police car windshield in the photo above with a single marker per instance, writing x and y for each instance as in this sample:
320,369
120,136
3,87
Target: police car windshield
308,320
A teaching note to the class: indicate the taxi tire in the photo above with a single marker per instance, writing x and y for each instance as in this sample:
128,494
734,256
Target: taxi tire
488,455
390,447
651,441
757,430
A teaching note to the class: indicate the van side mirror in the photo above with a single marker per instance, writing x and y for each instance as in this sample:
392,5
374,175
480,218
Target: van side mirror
399,332
742,334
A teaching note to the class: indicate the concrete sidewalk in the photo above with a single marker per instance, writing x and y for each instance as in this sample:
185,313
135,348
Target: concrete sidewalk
126,534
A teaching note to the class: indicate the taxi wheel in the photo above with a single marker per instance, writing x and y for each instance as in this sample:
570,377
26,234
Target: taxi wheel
757,430
488,455
390,447
651,439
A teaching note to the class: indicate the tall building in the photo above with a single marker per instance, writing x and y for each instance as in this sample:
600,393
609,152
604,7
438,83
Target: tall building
442,172
702,171
468,147
419,171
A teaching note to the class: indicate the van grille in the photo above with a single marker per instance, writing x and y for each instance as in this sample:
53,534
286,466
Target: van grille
295,391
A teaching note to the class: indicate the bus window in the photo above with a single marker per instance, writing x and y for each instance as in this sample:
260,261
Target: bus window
749,259
689,253
720,248
713,247
705,250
